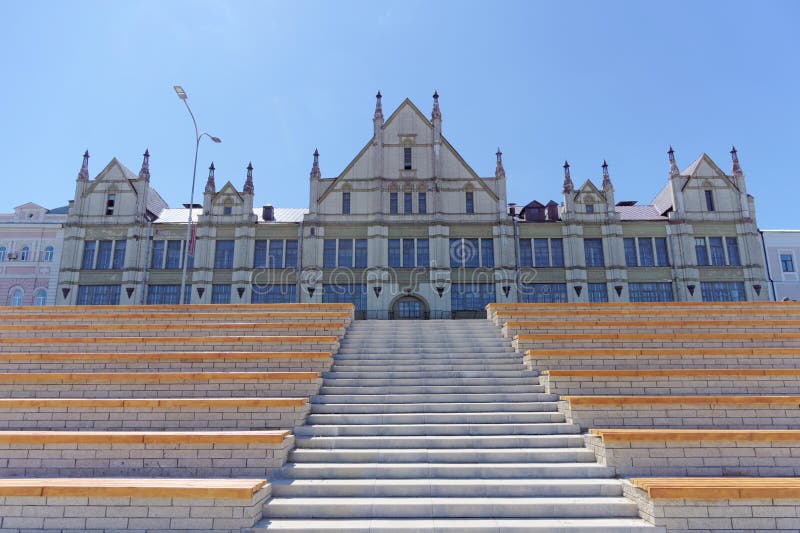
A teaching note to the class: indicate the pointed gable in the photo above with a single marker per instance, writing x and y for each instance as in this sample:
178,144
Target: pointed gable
589,193
227,195
704,169
114,173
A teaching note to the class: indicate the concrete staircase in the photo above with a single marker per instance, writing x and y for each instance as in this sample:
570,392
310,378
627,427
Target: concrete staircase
435,426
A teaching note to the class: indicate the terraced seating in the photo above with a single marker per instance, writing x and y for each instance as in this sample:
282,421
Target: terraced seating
718,504
673,381
697,452
732,412
226,454
186,316
112,504
193,308
164,414
661,327
158,384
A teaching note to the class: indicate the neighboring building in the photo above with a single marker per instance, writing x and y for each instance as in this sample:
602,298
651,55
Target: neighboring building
31,240
410,229
782,250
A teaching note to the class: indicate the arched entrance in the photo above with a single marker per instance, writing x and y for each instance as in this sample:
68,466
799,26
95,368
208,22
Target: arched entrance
409,307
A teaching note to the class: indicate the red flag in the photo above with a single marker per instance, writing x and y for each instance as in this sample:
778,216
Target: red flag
191,239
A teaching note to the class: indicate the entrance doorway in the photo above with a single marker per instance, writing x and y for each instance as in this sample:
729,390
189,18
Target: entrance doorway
409,308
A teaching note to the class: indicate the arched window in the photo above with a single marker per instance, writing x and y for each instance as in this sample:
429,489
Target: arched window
2,253
16,297
48,253
23,255
40,297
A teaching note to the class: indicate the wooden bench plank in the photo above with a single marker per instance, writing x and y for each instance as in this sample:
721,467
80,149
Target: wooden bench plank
237,489
278,339
163,403
675,372
167,356
683,435
151,377
719,488
146,437
619,401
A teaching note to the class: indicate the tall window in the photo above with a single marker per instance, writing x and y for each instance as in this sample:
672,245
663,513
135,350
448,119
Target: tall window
40,297
394,253
329,253
722,291
173,255
104,255
220,294
163,294
651,252
274,294
541,253
525,253
119,255
157,255
662,254
291,254
355,294
407,158
392,203
407,204
48,254
630,252
275,254
2,253
423,254
470,199
345,253
598,292
16,297
25,253
787,263
700,251
98,294
556,253
487,253
471,296
223,256
345,203
422,203
88,254
716,250
409,253
543,292
709,201
593,250
471,253
110,203
650,292
733,251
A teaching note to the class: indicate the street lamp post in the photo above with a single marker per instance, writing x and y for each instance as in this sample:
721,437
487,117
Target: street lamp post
197,136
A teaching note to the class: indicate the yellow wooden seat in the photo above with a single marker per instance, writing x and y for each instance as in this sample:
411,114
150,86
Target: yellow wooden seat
719,488
143,437
236,489
707,435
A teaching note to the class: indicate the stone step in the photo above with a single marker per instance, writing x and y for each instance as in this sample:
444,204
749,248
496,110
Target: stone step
427,487
383,382
348,430
441,374
455,455
435,418
444,470
474,407
449,356
457,525
399,507
431,367
443,442
429,398
431,389
422,350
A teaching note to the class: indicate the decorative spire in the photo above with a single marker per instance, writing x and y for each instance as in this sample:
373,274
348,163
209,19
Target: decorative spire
673,168
737,170
499,171
436,114
568,187
211,187
378,107
606,178
144,173
248,183
83,174
315,173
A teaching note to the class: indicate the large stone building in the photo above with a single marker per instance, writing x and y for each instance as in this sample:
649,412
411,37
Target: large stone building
30,251
781,251
409,229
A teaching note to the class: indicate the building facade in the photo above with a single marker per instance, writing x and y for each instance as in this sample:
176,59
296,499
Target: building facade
781,252
408,229
31,241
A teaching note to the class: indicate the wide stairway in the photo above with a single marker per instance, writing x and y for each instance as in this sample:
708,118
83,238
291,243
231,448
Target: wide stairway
436,426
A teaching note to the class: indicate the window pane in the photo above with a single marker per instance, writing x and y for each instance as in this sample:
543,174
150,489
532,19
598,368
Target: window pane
88,254
345,253
630,252
456,253
543,292
104,255
98,294
275,253
157,255
650,292
733,251
662,255
260,254
220,294
408,253
556,252
422,203
646,258
291,254
48,254
722,291
701,251
393,203
223,255
407,203
174,255
163,294
3,253
361,253
470,202
40,297
407,158
525,253
346,203
717,253
487,253
119,255
423,253
709,201
598,292
471,253
394,253
593,250
329,253
787,263
274,294
541,253
471,296
355,294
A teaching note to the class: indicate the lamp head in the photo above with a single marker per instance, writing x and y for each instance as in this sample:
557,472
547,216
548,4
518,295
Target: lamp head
180,92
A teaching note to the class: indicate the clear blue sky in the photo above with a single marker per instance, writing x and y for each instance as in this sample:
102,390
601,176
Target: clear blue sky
550,81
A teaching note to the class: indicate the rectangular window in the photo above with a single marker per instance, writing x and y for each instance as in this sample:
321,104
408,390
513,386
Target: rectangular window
392,203
590,209
631,259
593,250
345,253
543,292
291,254
541,253
274,294
525,253
119,255
394,253
355,294
556,253
220,294
361,253
88,254
487,253
174,254
275,253
709,201
717,251
787,263
407,203
423,253
456,253
646,256
662,254
422,203
470,199
598,292
733,251
157,255
650,292
345,203
110,202
329,253
409,252
260,254
163,294
223,256
407,158
470,248
701,251
104,255
722,291
98,294
471,296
